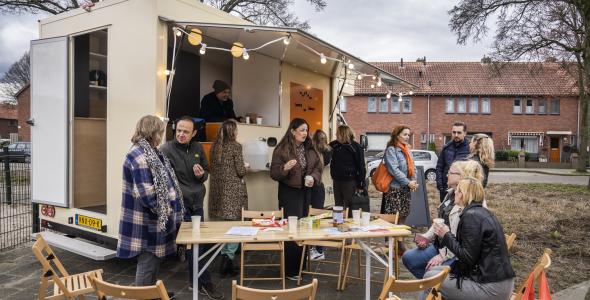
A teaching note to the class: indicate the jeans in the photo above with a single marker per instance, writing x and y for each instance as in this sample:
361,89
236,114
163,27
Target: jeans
416,260
230,249
205,276
500,290
148,267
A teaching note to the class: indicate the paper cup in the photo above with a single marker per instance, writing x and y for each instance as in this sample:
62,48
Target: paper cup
247,120
438,221
259,120
292,224
308,180
366,219
356,216
196,220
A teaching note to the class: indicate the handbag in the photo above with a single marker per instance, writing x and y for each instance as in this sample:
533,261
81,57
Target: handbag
381,177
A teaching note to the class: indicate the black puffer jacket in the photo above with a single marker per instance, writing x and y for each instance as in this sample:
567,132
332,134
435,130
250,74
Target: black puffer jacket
480,247
348,162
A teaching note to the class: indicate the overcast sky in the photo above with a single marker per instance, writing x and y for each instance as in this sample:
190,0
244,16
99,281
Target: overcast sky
374,30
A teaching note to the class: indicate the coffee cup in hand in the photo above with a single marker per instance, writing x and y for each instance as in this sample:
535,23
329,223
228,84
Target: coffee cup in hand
438,221
308,181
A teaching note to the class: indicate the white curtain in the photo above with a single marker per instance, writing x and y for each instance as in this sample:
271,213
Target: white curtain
530,144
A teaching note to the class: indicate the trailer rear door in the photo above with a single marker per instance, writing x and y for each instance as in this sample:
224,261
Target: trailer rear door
49,111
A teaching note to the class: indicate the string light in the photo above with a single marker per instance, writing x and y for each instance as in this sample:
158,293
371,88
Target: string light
372,85
245,55
359,77
379,83
388,96
351,66
195,37
287,40
323,59
203,49
167,72
400,99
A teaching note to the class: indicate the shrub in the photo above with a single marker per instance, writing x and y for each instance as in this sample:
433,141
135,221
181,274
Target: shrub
512,155
432,146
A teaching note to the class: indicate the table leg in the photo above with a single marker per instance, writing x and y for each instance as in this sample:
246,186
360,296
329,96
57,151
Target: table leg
196,271
367,274
391,257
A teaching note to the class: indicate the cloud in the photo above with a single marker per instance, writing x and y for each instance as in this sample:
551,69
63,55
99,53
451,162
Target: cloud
16,32
387,30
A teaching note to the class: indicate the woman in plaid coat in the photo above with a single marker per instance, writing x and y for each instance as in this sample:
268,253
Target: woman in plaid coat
152,207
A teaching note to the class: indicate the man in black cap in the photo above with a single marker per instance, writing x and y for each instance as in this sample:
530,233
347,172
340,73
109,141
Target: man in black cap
217,106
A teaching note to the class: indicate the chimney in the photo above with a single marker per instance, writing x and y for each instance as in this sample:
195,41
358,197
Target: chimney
424,60
401,63
486,60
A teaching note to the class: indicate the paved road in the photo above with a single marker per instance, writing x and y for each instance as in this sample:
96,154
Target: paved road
525,177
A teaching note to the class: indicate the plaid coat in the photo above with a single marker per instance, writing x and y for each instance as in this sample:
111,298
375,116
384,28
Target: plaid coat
138,228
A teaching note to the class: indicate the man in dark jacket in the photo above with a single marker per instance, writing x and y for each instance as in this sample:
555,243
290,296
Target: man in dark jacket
217,106
456,149
192,170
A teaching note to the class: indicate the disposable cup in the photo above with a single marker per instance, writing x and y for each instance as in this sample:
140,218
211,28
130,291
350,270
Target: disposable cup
292,224
259,120
308,180
356,216
196,220
366,219
439,221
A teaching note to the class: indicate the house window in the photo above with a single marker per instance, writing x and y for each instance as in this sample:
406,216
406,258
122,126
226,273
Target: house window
516,107
450,105
13,123
542,103
462,105
529,144
407,104
530,108
554,109
473,105
395,105
486,105
383,105
372,104
342,104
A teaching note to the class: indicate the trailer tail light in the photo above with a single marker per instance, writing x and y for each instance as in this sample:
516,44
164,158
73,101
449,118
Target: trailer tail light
48,210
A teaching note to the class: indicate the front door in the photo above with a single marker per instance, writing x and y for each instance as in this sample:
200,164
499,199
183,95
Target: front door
554,152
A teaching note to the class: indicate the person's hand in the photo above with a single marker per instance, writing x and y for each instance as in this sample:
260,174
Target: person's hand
198,170
289,165
437,260
413,185
421,241
440,229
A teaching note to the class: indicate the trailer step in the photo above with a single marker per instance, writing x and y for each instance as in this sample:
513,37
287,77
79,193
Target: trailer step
77,246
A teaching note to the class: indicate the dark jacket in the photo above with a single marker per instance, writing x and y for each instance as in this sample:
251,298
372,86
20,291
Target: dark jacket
294,177
486,169
450,152
480,247
183,158
214,110
348,163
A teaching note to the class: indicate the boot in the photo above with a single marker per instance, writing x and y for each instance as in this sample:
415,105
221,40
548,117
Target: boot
223,265
229,267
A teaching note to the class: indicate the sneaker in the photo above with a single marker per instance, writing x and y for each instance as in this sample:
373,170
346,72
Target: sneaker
181,253
315,255
293,278
209,290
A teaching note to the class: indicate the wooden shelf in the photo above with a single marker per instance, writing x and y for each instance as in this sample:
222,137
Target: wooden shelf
97,55
97,87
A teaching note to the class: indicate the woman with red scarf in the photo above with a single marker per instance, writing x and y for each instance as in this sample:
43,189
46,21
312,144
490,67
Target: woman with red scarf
400,165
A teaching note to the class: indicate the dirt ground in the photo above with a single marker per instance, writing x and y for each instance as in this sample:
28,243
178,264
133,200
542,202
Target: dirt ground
543,216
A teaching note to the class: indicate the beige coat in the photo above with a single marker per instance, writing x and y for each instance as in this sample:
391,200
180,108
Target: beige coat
228,192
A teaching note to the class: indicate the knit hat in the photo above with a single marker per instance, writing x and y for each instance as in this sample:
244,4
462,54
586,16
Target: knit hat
220,86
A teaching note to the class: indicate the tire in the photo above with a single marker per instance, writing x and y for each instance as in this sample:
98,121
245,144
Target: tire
430,176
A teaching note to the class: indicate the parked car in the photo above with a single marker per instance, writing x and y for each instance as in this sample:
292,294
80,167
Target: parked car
17,152
424,158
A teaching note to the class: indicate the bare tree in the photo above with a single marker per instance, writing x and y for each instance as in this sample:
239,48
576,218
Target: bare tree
535,30
35,6
15,78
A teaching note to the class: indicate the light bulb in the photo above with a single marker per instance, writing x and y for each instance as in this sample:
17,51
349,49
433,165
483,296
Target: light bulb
323,59
167,72
411,93
195,37
379,83
287,40
203,49
237,49
176,31
388,96
246,55
372,86
400,99
351,66
359,76
374,77
348,72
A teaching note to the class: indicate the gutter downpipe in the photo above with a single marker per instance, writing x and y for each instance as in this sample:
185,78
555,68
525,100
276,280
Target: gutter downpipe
428,122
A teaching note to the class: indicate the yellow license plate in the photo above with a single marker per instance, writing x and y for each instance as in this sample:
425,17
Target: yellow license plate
89,222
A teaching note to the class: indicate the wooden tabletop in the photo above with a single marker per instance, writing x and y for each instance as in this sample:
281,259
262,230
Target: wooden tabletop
214,232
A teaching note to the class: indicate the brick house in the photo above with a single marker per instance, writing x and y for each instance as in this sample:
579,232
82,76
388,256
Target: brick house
8,120
23,98
530,106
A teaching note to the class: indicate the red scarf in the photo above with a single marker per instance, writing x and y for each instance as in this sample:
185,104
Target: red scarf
409,159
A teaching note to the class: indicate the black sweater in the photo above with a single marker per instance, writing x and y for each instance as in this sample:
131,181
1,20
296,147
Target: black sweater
348,163
214,110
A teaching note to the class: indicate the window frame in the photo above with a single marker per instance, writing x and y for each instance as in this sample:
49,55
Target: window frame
526,106
451,101
381,101
551,112
395,103
544,106
471,101
403,105
514,106
369,100
464,101
489,103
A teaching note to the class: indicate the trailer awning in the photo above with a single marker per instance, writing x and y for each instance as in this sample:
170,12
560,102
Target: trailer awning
300,52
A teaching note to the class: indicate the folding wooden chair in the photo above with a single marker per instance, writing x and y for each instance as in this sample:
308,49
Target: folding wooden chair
104,289
403,286
510,240
272,246
303,292
65,286
542,264
383,249
336,244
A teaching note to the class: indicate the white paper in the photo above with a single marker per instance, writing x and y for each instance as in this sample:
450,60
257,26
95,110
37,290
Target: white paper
265,229
333,231
366,228
243,231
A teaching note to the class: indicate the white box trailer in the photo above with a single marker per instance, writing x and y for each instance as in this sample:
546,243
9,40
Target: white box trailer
95,72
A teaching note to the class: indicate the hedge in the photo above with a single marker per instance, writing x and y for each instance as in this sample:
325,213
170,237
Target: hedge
505,155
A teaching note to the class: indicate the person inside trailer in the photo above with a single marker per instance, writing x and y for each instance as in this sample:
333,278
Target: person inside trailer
217,106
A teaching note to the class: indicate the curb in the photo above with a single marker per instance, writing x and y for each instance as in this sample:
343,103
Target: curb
515,170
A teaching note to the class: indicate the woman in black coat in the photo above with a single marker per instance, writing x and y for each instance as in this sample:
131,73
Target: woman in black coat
347,167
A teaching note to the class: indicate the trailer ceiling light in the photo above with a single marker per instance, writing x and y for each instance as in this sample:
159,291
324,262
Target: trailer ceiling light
237,49
195,37
323,59
287,40
245,55
203,49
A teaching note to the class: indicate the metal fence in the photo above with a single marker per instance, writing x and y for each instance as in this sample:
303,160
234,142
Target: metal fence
16,209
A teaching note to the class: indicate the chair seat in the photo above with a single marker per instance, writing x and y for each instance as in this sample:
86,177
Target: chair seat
262,246
76,284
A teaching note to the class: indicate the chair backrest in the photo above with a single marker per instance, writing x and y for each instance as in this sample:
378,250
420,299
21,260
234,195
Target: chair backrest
103,289
262,214
298,293
510,240
45,256
318,211
393,219
542,264
403,286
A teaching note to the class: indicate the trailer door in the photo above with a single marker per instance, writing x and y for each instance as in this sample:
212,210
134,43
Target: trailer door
49,113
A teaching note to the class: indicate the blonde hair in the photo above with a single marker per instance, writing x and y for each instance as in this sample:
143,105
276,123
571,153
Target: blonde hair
344,134
469,168
472,190
149,128
484,147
